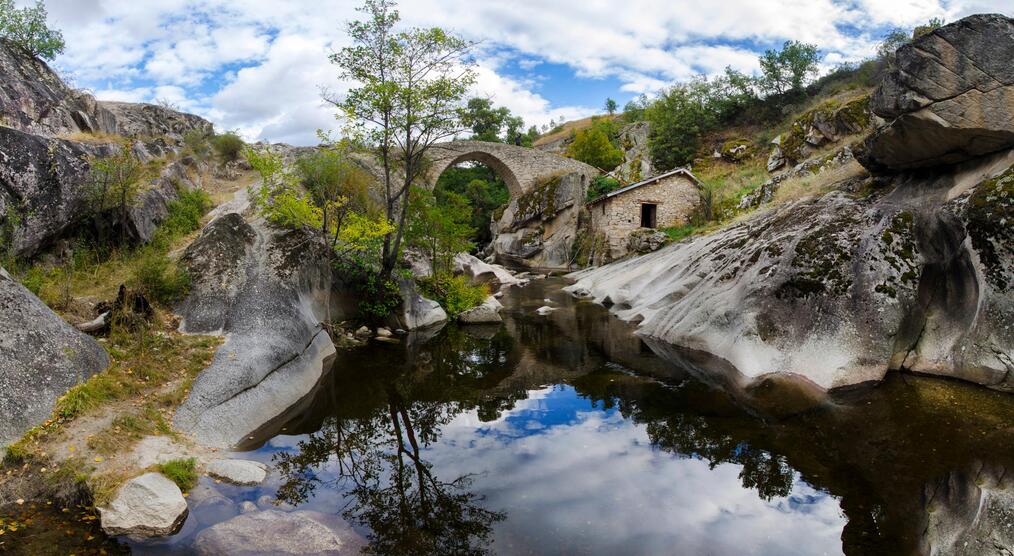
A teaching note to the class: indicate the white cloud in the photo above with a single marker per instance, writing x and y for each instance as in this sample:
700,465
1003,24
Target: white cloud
257,64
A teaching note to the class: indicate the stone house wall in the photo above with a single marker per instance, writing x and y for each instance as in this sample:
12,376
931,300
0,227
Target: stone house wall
677,197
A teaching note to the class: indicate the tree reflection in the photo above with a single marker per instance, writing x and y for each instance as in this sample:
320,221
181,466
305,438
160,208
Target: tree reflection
392,490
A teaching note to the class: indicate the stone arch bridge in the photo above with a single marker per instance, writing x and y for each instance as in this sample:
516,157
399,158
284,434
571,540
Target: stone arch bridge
520,167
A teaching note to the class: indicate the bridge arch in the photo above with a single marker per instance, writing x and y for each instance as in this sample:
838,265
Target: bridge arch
521,168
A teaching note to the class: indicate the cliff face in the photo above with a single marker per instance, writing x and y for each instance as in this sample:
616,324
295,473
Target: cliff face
836,291
43,172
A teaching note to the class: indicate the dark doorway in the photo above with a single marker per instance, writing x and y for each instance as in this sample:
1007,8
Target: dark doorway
648,212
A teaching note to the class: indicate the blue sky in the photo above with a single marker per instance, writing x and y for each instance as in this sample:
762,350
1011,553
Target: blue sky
258,65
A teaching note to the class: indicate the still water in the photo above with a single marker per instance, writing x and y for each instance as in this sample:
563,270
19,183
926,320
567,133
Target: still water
567,434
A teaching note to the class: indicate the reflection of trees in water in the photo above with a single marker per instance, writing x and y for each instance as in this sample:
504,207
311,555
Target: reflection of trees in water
392,491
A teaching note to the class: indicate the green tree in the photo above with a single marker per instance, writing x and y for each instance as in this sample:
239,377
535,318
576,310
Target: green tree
485,191
788,69
485,121
592,146
611,106
338,186
27,28
678,117
409,89
113,184
440,227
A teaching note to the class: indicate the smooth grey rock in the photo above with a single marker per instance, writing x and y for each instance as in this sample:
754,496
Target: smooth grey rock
384,332
827,291
272,532
247,506
146,506
363,332
416,311
486,312
949,99
480,272
267,290
970,513
41,357
545,310
238,471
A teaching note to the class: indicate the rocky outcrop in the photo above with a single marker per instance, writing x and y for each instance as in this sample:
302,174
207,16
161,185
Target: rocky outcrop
271,532
950,99
633,140
811,167
822,125
539,228
34,99
41,357
267,290
146,506
836,291
416,312
646,240
479,272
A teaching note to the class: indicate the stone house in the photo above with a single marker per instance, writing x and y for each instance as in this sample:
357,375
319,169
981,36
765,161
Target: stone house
663,201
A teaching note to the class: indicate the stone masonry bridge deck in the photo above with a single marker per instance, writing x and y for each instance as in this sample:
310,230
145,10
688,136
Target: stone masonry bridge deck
520,167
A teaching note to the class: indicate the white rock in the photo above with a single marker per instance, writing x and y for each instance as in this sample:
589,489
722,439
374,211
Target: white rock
238,471
384,332
482,273
545,310
487,312
146,506
247,506
363,332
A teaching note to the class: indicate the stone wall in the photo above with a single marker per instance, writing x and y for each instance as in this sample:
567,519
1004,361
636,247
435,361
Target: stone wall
676,196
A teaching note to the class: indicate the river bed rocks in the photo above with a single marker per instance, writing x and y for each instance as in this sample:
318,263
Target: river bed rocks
238,471
488,312
267,292
271,532
146,506
41,357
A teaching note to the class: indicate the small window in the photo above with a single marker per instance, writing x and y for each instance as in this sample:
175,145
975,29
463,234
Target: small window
648,214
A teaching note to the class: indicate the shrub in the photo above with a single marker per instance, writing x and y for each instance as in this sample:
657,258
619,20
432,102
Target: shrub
184,216
228,146
602,185
27,28
592,146
183,472
377,297
197,142
160,278
456,294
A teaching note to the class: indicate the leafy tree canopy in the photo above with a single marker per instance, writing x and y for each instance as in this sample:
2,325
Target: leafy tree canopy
27,28
790,68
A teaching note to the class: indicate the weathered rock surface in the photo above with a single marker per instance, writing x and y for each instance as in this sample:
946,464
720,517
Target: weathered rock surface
41,357
34,99
238,471
970,514
646,241
950,99
539,228
416,311
485,313
272,532
836,291
636,166
493,275
146,506
267,290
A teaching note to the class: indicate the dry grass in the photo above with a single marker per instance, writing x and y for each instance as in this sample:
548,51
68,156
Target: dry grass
98,138
567,128
816,184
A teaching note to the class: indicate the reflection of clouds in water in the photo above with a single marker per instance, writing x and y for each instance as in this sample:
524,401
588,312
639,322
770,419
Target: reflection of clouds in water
592,482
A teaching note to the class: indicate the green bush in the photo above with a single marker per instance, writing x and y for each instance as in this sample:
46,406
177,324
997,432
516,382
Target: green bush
197,142
456,294
677,233
183,472
184,216
228,146
160,278
602,185
377,297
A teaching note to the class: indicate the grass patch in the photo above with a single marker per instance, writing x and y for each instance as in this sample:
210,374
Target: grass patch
97,138
183,472
816,184
677,233
129,428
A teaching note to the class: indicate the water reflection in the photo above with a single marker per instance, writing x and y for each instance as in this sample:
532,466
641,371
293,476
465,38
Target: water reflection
567,434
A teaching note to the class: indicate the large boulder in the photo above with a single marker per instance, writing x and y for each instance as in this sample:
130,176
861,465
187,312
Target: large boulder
267,290
970,513
271,532
41,357
147,506
238,471
949,99
836,291
416,312
479,272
